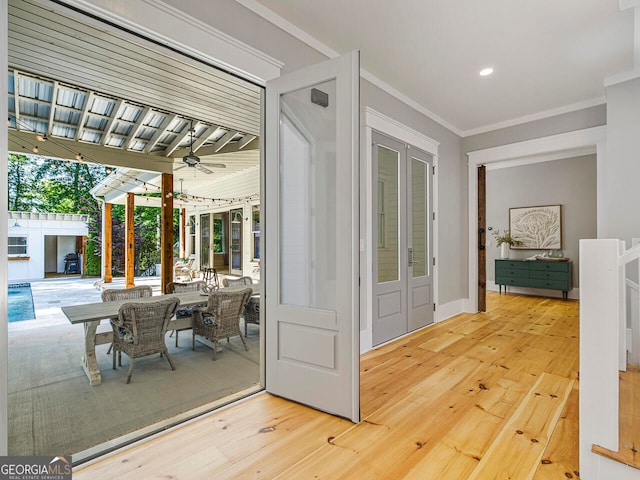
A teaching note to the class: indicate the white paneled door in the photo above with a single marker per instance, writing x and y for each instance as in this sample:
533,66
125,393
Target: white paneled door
403,262
311,236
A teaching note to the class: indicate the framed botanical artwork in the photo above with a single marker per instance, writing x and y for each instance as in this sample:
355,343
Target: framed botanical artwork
537,228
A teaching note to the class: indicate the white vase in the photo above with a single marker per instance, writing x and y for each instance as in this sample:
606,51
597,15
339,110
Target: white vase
504,250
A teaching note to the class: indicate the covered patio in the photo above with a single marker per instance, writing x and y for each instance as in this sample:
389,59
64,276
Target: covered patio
53,408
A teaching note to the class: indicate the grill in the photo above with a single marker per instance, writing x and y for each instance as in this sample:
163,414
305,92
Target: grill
71,263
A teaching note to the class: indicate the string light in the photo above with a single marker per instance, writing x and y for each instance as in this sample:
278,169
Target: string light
115,174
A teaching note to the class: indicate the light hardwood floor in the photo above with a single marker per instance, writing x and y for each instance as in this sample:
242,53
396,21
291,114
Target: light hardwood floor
486,396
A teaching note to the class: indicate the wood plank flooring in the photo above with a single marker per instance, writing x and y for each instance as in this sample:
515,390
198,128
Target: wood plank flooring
492,395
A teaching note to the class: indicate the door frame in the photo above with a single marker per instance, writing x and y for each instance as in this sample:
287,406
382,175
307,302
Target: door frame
375,120
545,149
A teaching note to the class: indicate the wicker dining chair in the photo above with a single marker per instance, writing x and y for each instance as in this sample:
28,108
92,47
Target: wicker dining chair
185,312
140,330
220,318
114,294
236,282
251,313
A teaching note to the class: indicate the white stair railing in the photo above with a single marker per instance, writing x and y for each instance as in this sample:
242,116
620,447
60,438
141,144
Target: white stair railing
600,317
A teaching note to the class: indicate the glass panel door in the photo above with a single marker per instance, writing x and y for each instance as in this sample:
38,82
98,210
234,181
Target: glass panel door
236,242
205,240
388,214
312,272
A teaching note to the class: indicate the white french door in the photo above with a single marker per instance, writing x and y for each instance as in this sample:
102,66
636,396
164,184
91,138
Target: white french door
311,236
403,261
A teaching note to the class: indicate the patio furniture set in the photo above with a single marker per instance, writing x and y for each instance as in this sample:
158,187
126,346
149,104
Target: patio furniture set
139,321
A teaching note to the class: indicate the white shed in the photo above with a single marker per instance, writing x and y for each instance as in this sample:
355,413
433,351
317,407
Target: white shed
38,242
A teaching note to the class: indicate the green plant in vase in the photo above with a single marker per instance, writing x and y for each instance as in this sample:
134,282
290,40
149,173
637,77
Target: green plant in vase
504,240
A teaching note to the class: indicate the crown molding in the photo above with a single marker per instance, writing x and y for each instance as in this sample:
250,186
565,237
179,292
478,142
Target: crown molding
536,116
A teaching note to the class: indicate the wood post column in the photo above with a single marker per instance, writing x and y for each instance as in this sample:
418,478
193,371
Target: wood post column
129,250
107,243
166,230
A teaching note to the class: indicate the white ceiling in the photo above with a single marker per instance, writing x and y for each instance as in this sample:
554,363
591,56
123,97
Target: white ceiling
549,56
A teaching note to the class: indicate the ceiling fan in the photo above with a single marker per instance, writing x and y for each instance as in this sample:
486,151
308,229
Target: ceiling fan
193,161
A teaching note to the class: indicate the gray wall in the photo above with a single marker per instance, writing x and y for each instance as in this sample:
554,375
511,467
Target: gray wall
622,171
569,182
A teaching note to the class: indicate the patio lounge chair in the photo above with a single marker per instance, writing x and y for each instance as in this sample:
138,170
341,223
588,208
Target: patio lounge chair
140,329
185,312
184,268
113,294
220,318
251,312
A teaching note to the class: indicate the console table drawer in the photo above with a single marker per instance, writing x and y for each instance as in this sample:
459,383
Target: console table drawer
515,281
550,284
548,275
550,266
511,273
510,264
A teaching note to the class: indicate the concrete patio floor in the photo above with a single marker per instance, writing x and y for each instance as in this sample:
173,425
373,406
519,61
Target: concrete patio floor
54,411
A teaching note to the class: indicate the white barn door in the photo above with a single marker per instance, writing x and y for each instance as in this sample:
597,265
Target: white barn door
311,236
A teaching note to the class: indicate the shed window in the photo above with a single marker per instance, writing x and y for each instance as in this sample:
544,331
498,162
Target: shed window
17,245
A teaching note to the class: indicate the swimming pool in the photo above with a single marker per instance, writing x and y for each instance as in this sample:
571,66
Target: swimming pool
20,302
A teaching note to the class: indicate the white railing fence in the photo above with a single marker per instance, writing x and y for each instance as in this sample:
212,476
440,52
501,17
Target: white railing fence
604,308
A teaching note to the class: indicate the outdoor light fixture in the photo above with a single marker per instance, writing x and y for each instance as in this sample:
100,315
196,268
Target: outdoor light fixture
16,224
236,217
41,138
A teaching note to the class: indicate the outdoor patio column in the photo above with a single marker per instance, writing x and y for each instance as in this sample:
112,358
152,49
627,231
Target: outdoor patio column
183,233
129,251
166,230
107,243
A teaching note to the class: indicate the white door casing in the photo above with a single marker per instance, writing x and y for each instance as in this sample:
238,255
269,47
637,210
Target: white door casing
312,214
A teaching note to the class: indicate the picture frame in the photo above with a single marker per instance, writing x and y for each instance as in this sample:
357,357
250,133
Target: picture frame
537,228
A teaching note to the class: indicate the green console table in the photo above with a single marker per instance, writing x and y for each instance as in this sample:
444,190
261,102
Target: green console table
552,275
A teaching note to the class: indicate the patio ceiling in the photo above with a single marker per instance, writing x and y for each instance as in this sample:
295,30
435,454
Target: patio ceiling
119,100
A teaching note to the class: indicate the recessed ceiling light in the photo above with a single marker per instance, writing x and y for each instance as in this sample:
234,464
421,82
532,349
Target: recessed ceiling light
486,71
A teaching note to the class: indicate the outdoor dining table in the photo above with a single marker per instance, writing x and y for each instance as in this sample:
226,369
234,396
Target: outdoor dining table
91,314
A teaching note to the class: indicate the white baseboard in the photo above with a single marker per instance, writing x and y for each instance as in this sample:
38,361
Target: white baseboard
451,309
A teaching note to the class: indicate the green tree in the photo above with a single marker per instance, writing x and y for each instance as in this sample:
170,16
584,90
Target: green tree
21,182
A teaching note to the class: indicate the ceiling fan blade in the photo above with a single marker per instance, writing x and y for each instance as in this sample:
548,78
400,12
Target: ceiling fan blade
203,169
214,165
178,168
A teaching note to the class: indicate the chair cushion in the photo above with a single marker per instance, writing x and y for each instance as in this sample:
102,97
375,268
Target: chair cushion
208,319
125,335
183,312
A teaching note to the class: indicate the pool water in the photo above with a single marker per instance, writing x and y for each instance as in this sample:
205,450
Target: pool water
20,302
